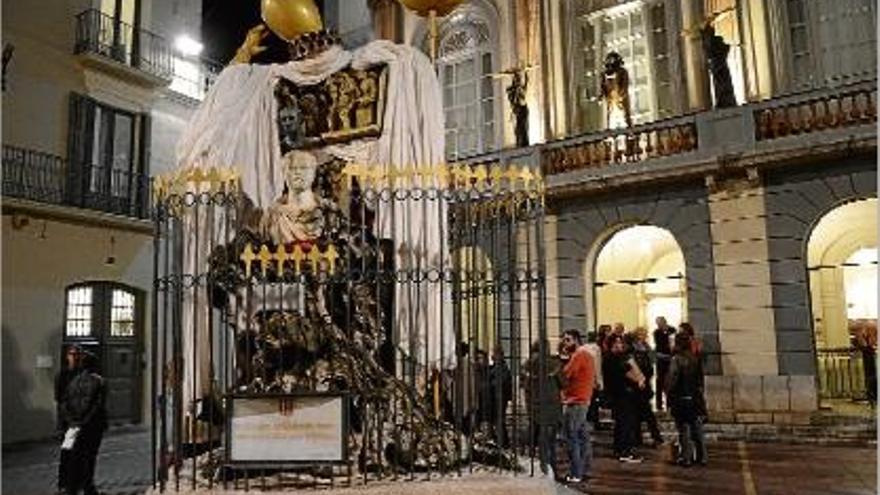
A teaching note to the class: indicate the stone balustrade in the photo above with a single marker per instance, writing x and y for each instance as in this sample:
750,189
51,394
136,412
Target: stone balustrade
622,146
813,113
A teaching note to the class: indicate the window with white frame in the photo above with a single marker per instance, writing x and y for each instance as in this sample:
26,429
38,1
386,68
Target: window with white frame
831,41
466,64
637,31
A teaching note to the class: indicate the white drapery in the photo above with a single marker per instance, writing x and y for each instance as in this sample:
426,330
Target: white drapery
236,127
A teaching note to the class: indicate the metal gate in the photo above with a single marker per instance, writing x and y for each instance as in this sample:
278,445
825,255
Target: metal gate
400,340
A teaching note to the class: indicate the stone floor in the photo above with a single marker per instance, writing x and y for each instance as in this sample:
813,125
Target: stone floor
735,468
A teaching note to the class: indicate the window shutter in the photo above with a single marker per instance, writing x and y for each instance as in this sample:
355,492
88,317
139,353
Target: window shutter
81,123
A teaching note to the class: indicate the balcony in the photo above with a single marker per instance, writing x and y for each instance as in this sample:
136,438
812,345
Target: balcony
812,125
36,181
107,43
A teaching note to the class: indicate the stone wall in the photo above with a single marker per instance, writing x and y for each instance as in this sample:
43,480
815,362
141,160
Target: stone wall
761,399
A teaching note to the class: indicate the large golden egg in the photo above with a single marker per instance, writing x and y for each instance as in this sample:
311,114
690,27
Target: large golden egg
291,18
424,7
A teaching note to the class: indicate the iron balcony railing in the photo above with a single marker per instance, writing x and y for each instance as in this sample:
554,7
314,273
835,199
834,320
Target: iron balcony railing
101,34
46,178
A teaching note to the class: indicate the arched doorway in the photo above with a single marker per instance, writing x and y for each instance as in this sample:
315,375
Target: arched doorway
638,275
842,263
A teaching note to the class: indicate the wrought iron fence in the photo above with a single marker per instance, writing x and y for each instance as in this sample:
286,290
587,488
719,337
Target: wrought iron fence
46,178
403,325
841,373
108,36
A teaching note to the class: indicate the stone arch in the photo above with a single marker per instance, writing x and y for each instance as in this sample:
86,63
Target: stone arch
583,224
795,203
626,272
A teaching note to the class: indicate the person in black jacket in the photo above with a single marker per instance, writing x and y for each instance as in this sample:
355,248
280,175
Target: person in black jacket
84,407
623,384
69,370
663,335
685,388
643,356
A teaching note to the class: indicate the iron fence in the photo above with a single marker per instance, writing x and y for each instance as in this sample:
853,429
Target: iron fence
108,36
47,178
841,373
410,321
33,175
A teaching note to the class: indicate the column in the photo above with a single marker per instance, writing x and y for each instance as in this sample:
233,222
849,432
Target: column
695,68
387,20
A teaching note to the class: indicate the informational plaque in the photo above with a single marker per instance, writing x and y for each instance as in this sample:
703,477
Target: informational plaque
289,428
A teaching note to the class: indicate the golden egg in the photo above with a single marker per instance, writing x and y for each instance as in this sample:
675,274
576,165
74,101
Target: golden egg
291,18
424,7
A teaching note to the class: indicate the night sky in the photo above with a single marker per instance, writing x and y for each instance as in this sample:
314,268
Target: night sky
224,25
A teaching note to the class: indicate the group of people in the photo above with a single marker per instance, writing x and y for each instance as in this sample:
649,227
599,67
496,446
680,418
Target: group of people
80,396
614,369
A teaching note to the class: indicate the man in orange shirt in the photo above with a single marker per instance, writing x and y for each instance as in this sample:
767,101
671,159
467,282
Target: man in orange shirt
578,378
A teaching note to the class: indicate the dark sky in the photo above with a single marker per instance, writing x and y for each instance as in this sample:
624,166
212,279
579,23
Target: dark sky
224,25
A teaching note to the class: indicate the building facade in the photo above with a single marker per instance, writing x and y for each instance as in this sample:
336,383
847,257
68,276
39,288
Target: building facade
95,95
756,223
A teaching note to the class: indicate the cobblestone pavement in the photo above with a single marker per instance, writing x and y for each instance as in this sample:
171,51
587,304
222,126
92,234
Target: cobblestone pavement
735,468
123,465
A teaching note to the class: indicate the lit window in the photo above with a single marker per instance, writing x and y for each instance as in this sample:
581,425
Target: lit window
100,309
79,312
466,65
636,31
122,314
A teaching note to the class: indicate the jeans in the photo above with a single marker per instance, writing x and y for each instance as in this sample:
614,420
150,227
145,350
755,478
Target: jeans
577,435
691,439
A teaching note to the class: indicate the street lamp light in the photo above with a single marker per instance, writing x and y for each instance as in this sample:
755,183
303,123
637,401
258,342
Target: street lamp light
188,46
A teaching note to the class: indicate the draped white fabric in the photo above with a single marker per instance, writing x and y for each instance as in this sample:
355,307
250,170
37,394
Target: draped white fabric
236,127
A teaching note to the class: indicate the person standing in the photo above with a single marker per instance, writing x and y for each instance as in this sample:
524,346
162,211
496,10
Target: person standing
69,370
543,396
663,335
685,387
594,348
84,409
643,356
501,389
578,379
623,383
